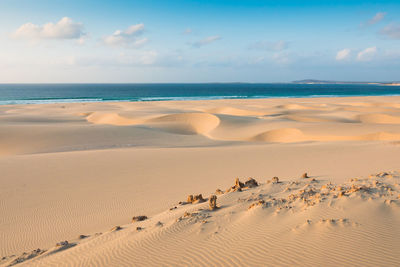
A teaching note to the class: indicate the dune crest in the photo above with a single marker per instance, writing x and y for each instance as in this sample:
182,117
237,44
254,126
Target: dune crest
110,118
285,135
180,123
235,111
186,123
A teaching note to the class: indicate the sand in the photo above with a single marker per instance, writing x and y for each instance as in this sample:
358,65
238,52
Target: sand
85,168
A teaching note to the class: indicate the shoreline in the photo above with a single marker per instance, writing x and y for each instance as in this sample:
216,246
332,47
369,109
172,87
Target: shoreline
174,99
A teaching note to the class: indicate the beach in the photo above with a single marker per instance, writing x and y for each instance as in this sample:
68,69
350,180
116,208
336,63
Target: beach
74,171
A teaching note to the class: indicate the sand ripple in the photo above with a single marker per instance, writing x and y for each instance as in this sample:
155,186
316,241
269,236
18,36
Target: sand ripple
305,221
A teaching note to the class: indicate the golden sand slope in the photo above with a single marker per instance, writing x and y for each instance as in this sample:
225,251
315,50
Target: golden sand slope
70,169
304,221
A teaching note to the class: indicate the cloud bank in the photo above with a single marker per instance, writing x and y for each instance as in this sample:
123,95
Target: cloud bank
63,29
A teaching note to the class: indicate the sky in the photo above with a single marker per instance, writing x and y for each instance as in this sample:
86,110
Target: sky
156,41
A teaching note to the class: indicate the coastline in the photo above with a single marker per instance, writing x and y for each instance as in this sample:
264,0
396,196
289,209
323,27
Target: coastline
88,93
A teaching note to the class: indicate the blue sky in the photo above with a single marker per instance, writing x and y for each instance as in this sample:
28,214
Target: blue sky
198,41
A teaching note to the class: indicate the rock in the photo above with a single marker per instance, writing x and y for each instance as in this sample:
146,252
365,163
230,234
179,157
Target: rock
234,189
237,187
25,256
139,228
116,228
195,198
139,218
82,236
305,175
255,204
275,180
382,174
213,202
238,184
198,198
62,243
218,192
251,182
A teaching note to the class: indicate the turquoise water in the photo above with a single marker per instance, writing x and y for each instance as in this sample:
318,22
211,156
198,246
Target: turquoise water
67,93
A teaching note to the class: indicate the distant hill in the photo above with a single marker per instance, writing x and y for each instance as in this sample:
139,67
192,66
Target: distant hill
312,81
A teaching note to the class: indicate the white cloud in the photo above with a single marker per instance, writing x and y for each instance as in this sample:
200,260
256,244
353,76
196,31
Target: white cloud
377,18
343,54
367,54
272,46
63,29
206,41
392,31
129,37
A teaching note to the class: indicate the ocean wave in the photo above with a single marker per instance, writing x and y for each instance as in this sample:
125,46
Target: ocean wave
189,98
169,98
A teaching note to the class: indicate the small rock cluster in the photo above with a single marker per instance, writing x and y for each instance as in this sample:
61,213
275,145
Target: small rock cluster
25,256
116,228
310,193
139,218
250,183
195,199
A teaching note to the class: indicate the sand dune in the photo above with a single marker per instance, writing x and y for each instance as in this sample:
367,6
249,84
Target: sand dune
182,123
252,125
379,118
292,106
379,136
268,222
186,123
291,135
287,135
235,111
110,118
318,118
85,168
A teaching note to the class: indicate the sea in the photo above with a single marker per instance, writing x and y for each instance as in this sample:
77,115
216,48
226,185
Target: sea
70,93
